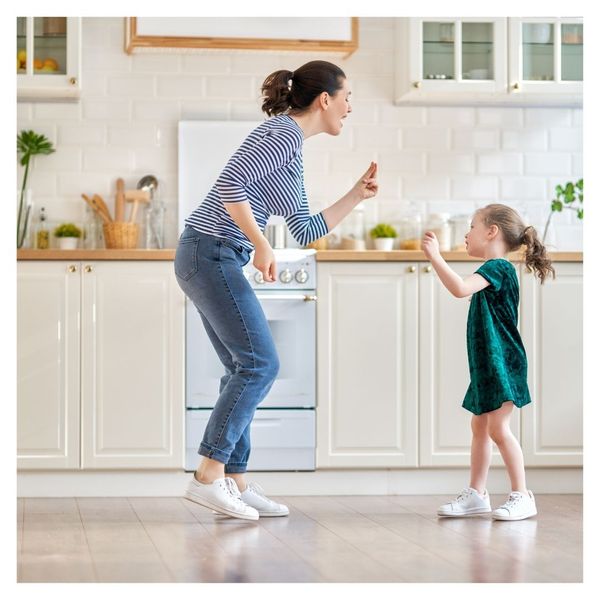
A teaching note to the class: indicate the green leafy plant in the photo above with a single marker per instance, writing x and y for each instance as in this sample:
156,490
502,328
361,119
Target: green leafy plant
383,230
67,230
565,197
29,144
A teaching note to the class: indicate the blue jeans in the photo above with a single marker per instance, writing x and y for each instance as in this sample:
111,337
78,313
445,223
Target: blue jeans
209,271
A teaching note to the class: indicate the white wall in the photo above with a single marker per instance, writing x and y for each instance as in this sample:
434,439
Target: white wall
452,159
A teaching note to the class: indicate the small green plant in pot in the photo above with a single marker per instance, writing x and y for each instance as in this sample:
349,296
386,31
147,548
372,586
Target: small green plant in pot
566,196
68,235
383,236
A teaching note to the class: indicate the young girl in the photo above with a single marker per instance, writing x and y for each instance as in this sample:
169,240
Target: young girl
497,360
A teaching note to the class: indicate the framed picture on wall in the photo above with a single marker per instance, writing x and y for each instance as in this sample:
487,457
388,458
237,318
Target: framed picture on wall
327,34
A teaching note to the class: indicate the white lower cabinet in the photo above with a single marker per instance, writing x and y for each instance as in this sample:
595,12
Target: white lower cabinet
552,324
387,387
100,365
367,330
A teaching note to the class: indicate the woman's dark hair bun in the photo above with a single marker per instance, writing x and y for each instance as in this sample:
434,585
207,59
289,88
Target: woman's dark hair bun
276,92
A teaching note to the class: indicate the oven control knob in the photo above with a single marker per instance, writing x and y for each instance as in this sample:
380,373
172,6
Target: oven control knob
285,276
258,277
301,276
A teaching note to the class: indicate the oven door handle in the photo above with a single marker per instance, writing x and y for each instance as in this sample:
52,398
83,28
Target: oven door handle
303,297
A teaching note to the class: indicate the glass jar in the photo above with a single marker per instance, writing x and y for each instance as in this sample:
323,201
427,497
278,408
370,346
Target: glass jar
439,223
409,232
91,230
460,225
42,233
353,229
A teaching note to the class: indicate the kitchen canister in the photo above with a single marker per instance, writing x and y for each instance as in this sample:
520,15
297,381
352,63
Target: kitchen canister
439,223
460,225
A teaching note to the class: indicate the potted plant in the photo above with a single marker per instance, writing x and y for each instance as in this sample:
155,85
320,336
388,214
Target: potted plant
29,144
565,197
68,234
383,236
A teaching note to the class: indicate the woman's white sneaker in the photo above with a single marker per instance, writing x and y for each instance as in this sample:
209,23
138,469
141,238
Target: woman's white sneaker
518,506
254,496
222,495
468,502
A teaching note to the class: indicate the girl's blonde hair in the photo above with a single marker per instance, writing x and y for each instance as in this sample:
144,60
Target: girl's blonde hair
517,234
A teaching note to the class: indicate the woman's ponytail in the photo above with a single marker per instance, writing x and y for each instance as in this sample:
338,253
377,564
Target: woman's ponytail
536,259
276,90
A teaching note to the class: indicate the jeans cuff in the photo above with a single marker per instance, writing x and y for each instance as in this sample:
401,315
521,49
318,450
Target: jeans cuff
214,453
235,468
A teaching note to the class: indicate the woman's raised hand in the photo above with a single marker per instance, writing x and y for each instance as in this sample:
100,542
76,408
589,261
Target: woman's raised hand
367,186
264,261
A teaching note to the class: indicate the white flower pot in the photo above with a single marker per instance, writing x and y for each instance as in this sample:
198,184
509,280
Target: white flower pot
383,243
68,243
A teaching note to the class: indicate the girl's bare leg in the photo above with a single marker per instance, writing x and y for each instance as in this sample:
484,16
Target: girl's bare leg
499,430
481,452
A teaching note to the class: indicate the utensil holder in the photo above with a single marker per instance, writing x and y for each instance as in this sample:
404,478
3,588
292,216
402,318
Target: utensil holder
120,234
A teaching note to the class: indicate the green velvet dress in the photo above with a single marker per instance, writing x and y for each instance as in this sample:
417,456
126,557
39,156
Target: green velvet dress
497,359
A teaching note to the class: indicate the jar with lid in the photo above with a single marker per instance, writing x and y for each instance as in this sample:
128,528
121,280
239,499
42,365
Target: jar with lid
409,231
439,223
460,225
353,230
42,234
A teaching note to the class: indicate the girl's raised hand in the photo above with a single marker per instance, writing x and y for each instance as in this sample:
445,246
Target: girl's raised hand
367,186
430,245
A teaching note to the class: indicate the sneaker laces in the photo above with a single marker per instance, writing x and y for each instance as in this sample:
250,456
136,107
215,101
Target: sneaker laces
255,487
464,494
232,489
513,499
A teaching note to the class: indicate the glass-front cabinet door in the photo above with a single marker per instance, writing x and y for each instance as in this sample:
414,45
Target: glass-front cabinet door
455,55
545,56
48,58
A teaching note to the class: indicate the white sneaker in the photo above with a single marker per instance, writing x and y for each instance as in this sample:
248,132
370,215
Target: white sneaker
222,495
254,496
468,502
518,506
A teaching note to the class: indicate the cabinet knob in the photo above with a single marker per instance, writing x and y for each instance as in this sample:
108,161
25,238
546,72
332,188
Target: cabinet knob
516,86
88,269
412,269
427,269
417,84
72,269
73,80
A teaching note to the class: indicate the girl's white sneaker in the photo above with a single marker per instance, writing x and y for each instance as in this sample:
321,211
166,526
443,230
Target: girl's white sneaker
518,506
222,495
254,496
468,502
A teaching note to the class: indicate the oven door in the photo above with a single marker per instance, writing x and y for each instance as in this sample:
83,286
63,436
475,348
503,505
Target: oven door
291,317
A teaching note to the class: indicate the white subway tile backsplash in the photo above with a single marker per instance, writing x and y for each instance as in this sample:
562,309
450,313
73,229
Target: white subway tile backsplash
362,113
66,158
454,117
355,163
375,136
155,109
547,163
426,138
577,117
432,186
529,188
566,139
24,112
525,139
373,88
500,163
499,117
156,63
210,63
118,160
475,139
401,116
450,163
474,187
176,87
132,135
547,117
56,110
233,86
77,134
107,110
75,183
577,165
210,110
404,163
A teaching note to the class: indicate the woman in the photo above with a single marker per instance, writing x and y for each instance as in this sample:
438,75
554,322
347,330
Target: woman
263,177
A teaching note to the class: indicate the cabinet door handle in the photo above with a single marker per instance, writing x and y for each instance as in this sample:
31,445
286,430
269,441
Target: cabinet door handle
88,269
72,269
73,80
427,269
412,269
516,86
417,84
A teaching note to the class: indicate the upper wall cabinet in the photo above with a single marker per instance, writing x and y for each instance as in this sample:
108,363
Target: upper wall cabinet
489,60
48,58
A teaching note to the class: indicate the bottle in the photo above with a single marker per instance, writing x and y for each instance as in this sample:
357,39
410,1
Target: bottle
92,229
440,225
42,234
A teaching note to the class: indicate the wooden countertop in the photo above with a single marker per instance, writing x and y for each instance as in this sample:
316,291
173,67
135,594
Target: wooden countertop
322,255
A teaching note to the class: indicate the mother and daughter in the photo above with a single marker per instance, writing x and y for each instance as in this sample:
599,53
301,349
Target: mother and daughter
265,177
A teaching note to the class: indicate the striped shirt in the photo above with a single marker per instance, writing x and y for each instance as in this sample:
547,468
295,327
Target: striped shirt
267,171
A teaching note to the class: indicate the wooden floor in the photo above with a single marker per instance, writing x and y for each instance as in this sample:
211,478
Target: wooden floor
325,539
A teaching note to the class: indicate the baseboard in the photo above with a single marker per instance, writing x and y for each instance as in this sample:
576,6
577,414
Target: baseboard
55,484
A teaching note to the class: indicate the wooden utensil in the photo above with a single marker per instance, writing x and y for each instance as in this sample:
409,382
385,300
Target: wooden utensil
96,208
137,197
100,201
120,201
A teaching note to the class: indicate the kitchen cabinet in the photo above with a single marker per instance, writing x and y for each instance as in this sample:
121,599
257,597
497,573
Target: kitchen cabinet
48,58
367,352
552,325
512,61
387,387
100,365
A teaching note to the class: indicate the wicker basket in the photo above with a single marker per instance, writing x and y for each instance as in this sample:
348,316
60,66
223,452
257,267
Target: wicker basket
120,234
